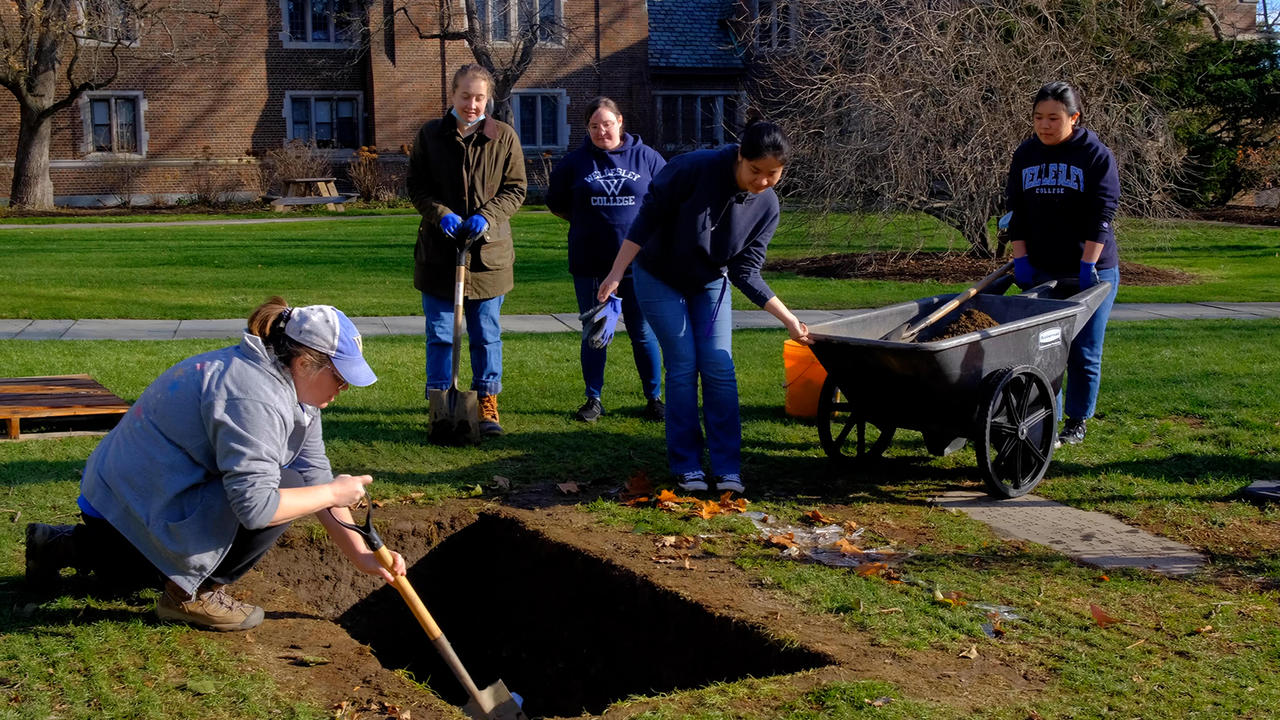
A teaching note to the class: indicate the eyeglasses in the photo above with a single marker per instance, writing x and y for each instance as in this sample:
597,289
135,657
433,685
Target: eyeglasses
342,383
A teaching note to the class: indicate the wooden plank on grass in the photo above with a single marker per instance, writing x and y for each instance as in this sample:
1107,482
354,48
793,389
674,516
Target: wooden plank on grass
54,396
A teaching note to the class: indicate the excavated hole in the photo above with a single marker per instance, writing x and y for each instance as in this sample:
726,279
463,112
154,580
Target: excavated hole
568,631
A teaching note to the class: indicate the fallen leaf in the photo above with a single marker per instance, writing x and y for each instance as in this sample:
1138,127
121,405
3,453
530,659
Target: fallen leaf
569,488
1203,630
1101,617
476,491
1104,578
847,548
874,568
817,518
850,526
636,501
971,653
706,510
638,485
783,541
879,702
501,482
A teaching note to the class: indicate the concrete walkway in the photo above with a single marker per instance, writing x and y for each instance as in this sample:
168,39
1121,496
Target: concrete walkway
559,322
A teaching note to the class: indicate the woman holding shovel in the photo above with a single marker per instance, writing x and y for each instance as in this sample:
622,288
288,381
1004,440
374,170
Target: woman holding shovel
467,178
706,222
212,463
598,189
1063,190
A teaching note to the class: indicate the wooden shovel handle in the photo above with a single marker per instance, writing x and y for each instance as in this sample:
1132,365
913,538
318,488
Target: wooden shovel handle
956,301
428,624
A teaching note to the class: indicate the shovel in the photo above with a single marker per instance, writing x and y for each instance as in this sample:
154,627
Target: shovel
454,414
492,703
906,334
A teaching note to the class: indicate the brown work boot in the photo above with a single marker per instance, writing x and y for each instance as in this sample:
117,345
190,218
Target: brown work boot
49,549
489,416
212,608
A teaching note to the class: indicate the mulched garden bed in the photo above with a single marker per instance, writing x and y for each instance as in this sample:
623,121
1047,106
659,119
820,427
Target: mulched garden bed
946,268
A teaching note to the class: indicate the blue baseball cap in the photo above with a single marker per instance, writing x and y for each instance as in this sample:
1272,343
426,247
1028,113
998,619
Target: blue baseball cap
327,329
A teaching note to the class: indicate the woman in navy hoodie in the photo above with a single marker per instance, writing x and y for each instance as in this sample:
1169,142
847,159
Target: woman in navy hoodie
1063,191
706,222
598,189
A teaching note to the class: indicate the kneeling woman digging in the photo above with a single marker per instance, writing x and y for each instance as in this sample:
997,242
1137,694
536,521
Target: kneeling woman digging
212,463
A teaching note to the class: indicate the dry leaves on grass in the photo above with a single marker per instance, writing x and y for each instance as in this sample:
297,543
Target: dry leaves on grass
815,517
369,710
638,489
1101,617
782,541
673,549
971,653
705,509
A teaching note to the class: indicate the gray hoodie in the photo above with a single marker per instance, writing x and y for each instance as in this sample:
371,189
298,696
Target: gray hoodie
202,452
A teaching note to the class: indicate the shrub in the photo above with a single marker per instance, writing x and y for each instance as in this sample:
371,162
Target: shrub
373,179
297,159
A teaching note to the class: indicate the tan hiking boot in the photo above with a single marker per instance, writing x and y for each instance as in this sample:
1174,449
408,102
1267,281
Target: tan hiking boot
212,608
49,549
489,416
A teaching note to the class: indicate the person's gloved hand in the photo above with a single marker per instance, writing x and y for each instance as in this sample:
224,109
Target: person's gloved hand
600,322
475,225
1088,275
450,224
1023,273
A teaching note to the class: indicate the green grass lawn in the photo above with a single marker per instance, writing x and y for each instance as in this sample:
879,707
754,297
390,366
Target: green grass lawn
1187,417
365,266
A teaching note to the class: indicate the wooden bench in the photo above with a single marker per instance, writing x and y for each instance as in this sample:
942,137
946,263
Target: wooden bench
310,191
61,397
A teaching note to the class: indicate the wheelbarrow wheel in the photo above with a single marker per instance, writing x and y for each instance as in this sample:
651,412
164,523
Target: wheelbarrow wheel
843,431
1017,428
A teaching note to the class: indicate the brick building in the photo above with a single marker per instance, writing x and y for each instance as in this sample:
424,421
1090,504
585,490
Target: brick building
167,129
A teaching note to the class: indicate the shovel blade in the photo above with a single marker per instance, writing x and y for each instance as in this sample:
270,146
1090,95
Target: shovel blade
453,416
494,703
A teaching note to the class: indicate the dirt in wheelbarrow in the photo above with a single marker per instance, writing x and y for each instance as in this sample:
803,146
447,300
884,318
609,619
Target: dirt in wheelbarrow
946,268
971,320
570,613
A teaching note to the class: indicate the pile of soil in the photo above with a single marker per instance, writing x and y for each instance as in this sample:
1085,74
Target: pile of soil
971,320
946,268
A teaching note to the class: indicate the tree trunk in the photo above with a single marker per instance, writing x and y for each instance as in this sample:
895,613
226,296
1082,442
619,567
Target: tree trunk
32,188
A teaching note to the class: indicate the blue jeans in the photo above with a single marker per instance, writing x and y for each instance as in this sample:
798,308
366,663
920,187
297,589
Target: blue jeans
694,347
1084,363
484,336
644,346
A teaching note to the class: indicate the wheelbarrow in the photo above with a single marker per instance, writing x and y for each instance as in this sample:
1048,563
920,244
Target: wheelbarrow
995,387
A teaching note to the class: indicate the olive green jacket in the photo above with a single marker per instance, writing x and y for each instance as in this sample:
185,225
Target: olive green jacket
483,174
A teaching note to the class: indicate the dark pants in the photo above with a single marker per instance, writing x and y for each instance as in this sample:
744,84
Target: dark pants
101,548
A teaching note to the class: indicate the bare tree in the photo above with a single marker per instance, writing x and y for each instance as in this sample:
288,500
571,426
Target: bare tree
917,105
480,23
54,51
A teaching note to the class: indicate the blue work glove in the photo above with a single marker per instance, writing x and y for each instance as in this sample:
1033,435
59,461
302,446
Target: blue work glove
450,224
600,322
475,225
1023,273
1088,275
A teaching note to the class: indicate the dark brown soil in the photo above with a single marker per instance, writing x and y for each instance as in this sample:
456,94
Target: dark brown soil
971,320
1241,216
946,268
568,613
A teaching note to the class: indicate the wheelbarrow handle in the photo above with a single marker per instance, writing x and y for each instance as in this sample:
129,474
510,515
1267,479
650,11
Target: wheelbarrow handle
910,333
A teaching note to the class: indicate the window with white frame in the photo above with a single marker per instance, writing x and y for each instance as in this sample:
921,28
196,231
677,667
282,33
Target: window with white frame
330,120
109,22
318,23
774,25
697,120
113,123
540,118
504,18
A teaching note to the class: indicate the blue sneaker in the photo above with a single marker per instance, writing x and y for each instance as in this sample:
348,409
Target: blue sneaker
731,482
692,481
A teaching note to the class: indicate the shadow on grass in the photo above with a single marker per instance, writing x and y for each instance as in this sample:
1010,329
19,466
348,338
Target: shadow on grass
29,472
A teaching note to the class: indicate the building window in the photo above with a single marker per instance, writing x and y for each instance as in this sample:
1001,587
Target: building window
502,18
774,25
329,121
702,120
109,22
540,118
113,123
318,23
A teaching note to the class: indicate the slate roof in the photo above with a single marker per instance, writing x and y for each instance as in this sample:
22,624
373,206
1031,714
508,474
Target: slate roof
691,34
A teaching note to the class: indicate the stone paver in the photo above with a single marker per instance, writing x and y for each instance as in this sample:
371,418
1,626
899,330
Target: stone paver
10,328
539,323
189,329
1089,537
1261,309
122,329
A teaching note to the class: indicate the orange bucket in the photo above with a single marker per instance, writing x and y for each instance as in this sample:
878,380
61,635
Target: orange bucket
805,376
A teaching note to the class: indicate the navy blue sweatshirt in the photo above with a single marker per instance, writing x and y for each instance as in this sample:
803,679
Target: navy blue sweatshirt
600,192
696,225
1062,196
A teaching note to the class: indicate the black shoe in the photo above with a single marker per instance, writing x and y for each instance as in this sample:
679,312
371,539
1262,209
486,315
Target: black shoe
590,411
1072,433
655,411
49,550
